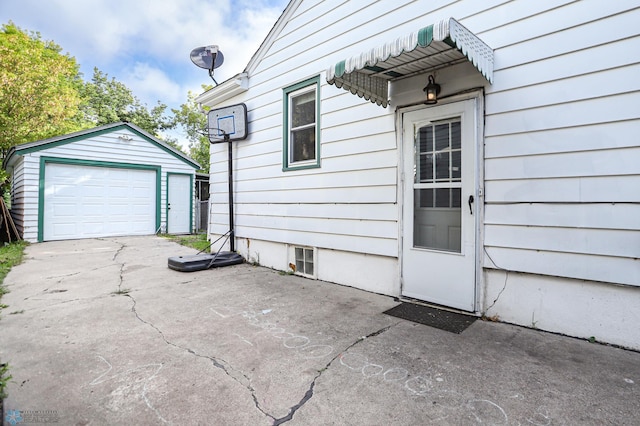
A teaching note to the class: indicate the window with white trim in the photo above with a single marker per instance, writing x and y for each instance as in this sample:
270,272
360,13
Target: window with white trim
301,139
304,260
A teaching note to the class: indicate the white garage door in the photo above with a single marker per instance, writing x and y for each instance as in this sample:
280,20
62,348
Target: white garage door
86,202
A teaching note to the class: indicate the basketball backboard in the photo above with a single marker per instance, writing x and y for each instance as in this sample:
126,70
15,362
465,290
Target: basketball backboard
231,121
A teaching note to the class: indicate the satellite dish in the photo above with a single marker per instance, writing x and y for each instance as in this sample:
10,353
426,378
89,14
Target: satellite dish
207,57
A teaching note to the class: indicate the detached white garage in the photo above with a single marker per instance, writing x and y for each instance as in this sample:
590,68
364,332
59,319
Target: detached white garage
109,181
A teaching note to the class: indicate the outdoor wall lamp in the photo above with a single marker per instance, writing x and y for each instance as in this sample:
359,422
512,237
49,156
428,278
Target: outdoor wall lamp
431,91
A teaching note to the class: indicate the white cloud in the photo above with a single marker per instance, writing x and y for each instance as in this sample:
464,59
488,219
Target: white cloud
145,44
152,84
114,34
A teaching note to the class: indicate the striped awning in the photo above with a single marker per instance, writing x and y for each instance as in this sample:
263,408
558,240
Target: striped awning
440,45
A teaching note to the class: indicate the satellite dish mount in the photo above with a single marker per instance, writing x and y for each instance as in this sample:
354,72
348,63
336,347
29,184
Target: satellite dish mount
207,57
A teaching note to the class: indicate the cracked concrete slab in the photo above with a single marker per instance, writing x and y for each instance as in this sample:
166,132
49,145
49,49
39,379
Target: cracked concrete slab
105,333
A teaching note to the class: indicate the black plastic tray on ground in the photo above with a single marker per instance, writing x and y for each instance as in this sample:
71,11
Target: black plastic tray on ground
200,262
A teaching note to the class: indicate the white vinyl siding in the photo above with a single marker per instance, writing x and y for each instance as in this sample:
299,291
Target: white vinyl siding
561,149
18,196
561,173
105,147
350,203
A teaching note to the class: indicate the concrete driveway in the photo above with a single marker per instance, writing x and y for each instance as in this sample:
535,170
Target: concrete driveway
101,332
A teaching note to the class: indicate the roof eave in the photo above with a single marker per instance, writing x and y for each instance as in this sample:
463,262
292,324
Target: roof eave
226,90
43,144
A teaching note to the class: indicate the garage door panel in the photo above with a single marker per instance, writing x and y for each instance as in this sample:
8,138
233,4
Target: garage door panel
140,193
62,210
86,201
138,227
139,209
62,191
92,229
90,190
118,192
68,229
118,209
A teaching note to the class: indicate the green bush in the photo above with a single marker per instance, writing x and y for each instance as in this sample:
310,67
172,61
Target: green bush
4,380
11,254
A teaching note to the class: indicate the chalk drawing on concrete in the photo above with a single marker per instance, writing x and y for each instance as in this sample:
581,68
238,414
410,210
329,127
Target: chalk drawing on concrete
301,344
486,411
540,418
132,377
243,339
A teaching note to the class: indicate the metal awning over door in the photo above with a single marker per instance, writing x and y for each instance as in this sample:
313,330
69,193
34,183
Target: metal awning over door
442,44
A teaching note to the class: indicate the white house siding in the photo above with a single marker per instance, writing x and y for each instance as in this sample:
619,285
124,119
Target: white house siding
18,196
349,204
561,168
562,155
560,165
26,198
561,174
105,147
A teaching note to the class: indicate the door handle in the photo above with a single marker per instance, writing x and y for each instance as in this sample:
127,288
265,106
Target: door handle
471,204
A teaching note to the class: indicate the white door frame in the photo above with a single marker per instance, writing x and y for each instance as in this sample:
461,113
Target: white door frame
190,208
478,95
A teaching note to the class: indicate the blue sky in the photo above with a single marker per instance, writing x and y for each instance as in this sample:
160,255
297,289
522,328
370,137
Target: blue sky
145,44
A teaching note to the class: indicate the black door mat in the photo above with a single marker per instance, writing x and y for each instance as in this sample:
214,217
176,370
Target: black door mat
438,318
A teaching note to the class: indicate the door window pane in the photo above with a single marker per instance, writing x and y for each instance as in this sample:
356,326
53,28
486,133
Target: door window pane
455,135
438,153
442,166
442,136
437,213
437,227
456,195
456,165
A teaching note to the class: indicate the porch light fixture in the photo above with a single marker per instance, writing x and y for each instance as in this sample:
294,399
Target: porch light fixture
431,91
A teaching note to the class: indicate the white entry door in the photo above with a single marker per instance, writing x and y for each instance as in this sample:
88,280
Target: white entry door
440,199
179,204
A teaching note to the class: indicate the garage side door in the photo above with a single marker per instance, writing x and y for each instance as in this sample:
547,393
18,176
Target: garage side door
87,202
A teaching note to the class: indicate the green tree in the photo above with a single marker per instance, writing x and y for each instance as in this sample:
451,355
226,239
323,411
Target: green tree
193,122
42,94
108,101
39,88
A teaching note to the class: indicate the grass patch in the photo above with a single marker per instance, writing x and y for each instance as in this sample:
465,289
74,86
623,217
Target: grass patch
196,241
4,381
10,255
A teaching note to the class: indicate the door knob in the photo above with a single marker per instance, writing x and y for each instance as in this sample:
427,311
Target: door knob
471,204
